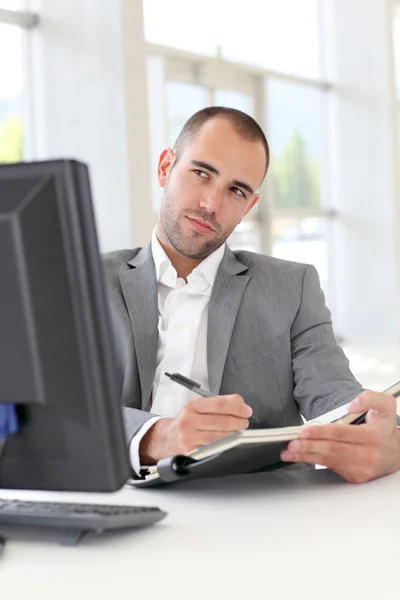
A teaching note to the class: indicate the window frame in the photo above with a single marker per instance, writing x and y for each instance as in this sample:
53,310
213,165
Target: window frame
27,21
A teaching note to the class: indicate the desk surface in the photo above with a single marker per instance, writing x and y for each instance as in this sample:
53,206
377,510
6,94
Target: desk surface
304,534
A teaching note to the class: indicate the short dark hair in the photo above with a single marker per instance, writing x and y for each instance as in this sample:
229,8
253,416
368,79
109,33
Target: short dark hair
244,124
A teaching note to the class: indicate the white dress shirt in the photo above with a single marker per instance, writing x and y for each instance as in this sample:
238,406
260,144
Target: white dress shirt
182,335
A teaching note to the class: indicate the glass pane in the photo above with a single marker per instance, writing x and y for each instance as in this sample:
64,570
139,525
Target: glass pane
276,34
294,134
182,100
396,43
246,236
10,94
234,100
302,240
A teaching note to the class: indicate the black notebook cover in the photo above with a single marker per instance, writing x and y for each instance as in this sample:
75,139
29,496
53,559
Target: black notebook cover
246,458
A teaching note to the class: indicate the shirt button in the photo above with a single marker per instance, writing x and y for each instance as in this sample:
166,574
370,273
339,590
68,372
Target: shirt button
179,326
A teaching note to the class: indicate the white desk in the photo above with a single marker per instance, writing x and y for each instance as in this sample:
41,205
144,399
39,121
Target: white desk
306,533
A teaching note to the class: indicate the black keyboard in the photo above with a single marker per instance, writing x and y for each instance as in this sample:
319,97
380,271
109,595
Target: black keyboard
77,519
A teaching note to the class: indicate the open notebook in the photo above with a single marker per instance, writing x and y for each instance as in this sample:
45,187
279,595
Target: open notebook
244,451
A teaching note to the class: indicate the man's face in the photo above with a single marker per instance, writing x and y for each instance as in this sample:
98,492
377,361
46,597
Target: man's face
210,188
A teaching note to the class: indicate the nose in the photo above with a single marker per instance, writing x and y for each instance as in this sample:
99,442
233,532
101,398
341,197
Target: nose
211,201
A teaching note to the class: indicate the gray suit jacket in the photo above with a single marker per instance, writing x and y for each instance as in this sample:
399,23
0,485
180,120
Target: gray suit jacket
269,337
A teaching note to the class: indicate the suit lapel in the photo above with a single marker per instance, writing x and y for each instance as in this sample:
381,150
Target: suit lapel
224,304
139,287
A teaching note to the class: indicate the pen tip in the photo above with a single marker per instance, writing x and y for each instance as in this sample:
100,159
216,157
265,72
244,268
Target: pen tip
168,374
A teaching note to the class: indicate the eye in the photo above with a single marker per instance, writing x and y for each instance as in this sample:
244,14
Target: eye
201,173
238,192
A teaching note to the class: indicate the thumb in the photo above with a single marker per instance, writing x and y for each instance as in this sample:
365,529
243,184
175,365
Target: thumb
377,404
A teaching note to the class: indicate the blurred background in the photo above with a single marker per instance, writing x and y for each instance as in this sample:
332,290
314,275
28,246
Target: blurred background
112,83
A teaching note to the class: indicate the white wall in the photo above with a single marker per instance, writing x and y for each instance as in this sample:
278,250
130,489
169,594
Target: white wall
79,102
365,192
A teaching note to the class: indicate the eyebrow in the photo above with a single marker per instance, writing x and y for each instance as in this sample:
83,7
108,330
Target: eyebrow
204,165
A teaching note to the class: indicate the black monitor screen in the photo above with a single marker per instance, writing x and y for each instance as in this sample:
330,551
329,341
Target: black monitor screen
56,346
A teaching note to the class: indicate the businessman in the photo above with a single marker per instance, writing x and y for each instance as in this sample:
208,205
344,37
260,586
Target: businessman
252,329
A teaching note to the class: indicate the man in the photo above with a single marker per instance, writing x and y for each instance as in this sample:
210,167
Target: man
252,329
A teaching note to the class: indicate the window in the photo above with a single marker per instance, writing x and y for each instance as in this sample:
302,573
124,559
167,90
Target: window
234,99
278,35
246,236
303,240
300,229
294,132
11,128
182,100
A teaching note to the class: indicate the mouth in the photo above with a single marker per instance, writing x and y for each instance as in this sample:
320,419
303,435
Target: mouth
200,225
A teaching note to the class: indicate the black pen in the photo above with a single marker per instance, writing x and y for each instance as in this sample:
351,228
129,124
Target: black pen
195,387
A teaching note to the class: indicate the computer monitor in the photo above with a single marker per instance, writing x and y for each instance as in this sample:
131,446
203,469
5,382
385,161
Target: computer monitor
56,345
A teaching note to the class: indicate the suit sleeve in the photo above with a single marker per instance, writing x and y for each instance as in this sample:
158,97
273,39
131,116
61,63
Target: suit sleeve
135,443
134,419
322,377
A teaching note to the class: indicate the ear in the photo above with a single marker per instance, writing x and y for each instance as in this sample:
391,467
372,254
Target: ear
252,203
165,162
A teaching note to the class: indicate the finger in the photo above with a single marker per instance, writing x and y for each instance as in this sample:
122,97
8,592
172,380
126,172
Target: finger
224,423
351,434
192,441
355,472
327,453
233,405
331,448
379,405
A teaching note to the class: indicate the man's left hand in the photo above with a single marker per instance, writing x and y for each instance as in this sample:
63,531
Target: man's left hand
358,453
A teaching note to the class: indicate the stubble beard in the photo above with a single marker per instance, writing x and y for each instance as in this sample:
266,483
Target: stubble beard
190,245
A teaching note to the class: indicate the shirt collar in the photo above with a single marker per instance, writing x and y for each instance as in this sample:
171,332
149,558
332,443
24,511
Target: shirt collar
206,270
161,260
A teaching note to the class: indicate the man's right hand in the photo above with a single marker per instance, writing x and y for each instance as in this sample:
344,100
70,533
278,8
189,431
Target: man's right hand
200,422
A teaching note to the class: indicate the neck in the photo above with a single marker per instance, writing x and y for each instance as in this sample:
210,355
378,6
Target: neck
182,264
